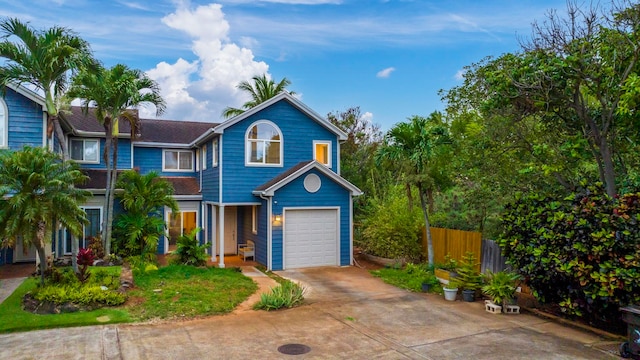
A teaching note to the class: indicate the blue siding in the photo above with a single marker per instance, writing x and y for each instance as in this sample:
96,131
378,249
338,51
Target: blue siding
298,133
210,178
330,194
6,254
25,121
150,159
124,155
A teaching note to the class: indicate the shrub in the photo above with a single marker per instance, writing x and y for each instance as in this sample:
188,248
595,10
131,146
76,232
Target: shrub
581,252
96,246
85,259
189,251
469,277
286,295
500,286
82,295
391,230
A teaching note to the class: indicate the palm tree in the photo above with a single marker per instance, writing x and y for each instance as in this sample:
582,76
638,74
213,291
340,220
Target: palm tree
143,199
115,93
260,91
419,149
45,60
37,190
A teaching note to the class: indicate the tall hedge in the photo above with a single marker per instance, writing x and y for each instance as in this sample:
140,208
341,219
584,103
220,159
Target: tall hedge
581,252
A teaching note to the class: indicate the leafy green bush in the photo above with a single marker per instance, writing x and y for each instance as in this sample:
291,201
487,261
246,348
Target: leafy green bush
391,230
411,277
83,295
189,251
581,252
469,277
286,295
500,286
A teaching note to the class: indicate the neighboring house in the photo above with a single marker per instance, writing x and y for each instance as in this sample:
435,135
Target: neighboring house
269,175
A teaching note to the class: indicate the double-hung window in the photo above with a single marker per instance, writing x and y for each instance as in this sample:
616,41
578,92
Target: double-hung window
177,160
214,153
322,152
85,150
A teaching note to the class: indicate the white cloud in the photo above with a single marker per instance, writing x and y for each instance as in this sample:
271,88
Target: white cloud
367,117
385,73
199,90
291,2
460,74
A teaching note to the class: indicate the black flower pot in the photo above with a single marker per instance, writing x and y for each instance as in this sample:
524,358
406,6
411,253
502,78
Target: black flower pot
426,287
469,295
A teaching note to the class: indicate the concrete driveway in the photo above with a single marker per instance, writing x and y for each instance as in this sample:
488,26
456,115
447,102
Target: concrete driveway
348,314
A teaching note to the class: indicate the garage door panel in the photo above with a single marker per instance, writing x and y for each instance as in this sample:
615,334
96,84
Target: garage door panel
311,238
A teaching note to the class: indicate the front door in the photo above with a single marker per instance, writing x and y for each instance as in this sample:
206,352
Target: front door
230,230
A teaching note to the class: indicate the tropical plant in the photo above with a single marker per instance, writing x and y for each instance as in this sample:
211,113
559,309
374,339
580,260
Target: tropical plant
261,90
44,59
85,259
114,94
419,150
500,286
139,228
37,187
189,251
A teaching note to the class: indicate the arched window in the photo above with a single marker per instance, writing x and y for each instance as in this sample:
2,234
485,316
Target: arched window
264,144
4,125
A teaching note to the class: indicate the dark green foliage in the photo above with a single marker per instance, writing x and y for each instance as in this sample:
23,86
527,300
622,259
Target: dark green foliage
469,277
582,252
411,277
62,286
391,230
286,295
189,251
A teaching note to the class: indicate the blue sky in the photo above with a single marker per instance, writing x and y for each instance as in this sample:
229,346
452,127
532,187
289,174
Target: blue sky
388,57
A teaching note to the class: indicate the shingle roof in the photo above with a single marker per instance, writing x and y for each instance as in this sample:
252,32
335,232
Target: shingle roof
151,130
97,179
183,185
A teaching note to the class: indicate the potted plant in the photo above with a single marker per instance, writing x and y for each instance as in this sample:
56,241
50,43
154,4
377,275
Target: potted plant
450,292
429,281
469,278
446,271
500,287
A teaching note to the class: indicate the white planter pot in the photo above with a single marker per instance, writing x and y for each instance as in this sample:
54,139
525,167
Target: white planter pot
450,294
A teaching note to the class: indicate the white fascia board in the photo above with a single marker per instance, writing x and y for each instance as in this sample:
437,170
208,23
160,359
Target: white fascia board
293,101
202,138
187,197
312,165
94,134
161,145
29,94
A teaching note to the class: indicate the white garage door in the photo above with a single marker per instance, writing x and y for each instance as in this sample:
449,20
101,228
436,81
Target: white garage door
310,238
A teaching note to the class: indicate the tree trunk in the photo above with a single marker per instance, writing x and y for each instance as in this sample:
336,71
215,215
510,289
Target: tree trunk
40,245
427,225
409,196
60,136
110,199
107,157
609,170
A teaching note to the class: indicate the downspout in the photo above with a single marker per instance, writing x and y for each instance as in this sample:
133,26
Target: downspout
269,230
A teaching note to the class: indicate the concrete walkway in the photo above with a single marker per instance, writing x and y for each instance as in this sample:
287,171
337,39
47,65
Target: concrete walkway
349,314
8,286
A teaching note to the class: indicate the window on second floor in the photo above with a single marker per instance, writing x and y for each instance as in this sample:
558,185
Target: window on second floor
204,157
4,125
264,144
322,152
177,160
85,150
214,153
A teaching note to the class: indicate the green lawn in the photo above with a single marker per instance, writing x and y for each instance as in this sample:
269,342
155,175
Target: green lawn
186,292
402,279
179,291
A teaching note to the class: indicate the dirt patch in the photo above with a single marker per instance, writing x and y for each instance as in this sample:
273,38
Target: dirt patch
361,261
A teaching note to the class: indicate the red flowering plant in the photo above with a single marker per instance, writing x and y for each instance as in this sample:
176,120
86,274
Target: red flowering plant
85,259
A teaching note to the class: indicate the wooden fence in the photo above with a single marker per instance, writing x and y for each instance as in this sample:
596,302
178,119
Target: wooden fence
456,243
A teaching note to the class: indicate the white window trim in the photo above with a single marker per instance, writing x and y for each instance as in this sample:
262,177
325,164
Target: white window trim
204,157
164,168
84,208
254,219
330,154
214,153
167,222
5,132
247,149
83,149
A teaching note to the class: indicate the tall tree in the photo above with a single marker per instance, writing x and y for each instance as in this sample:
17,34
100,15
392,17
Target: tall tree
44,59
115,93
419,149
261,90
38,187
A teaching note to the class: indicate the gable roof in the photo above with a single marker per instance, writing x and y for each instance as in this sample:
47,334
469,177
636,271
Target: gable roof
270,187
151,130
294,102
28,93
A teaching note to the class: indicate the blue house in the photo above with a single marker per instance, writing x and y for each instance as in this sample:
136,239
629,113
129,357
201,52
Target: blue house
270,176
